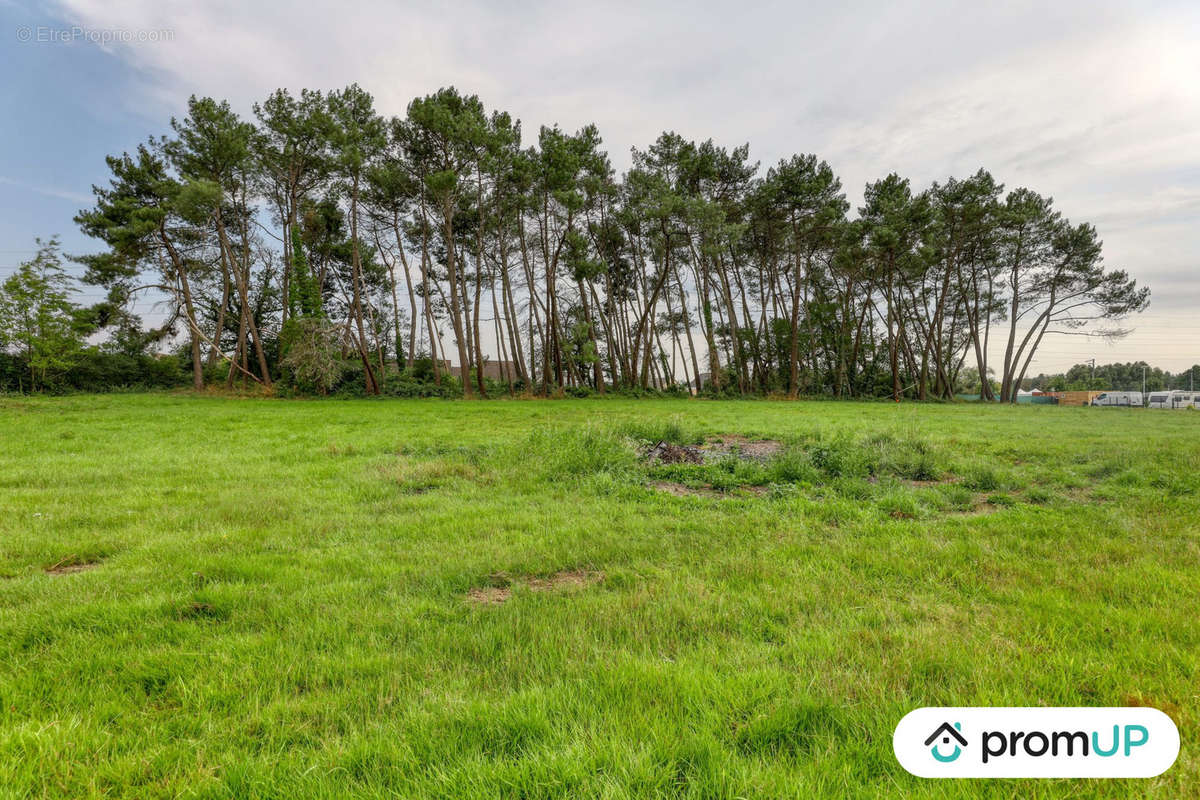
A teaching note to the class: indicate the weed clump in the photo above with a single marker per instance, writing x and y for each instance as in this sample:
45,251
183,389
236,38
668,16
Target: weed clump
577,452
1039,496
671,431
842,458
794,466
981,479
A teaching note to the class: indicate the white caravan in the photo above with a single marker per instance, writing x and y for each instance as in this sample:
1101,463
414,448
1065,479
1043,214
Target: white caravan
1159,400
1185,399
1174,399
1118,399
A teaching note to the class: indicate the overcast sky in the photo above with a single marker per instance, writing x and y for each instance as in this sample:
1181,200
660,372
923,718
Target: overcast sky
1094,103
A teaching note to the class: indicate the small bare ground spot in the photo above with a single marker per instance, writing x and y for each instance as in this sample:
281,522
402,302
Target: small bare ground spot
489,595
667,453
741,446
567,579
715,448
72,564
501,589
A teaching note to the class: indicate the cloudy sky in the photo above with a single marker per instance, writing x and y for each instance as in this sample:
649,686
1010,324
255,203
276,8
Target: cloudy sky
1093,102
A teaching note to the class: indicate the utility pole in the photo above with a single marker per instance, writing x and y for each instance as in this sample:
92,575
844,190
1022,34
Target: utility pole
1143,383
1093,362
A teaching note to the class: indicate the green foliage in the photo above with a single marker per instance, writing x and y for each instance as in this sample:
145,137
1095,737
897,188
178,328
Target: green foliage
305,294
37,320
314,353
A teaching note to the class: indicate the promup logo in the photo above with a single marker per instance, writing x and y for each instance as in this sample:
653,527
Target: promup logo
946,732
1036,742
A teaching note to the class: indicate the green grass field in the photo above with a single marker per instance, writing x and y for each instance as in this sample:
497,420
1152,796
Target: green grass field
221,597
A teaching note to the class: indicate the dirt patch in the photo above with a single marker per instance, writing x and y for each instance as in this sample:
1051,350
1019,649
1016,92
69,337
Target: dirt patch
501,589
567,579
715,448
734,444
489,595
71,565
667,453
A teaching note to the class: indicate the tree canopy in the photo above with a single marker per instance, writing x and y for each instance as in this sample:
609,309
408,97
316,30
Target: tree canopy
537,268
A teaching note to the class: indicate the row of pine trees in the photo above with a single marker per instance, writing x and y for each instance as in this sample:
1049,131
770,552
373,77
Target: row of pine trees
320,231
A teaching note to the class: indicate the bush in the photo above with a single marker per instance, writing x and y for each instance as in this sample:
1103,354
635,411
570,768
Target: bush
314,353
100,371
404,385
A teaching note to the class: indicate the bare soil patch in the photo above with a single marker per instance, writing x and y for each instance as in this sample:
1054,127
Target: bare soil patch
667,453
566,579
501,589
715,448
71,565
734,444
489,595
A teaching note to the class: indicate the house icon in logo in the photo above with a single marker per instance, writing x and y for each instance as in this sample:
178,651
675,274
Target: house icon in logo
945,732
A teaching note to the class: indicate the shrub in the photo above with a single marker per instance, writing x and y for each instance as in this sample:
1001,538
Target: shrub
403,385
314,353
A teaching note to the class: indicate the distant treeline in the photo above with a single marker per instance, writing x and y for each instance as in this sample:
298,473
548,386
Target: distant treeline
321,233
1129,377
